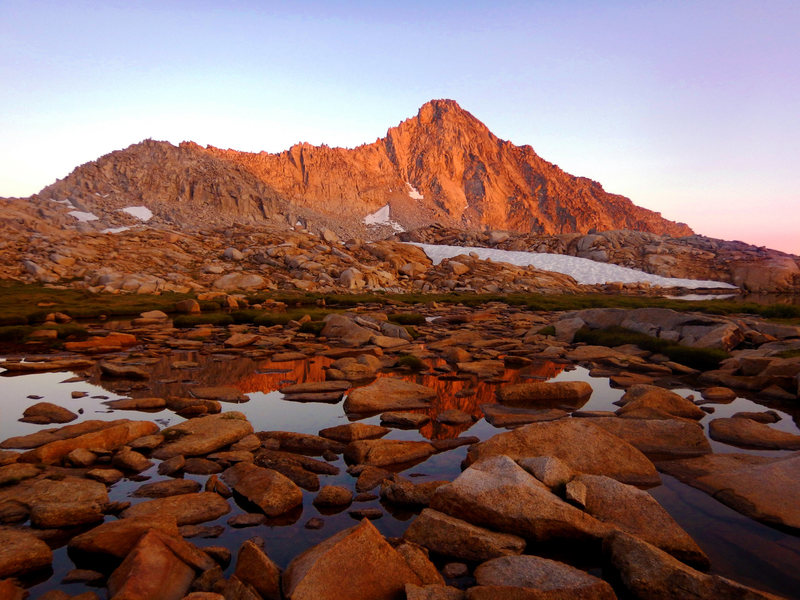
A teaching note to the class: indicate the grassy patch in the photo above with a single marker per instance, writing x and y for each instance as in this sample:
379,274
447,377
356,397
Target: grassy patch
789,353
409,361
20,303
407,318
314,327
547,330
704,359
207,319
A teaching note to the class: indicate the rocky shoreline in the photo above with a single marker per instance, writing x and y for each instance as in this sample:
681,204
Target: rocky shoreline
125,494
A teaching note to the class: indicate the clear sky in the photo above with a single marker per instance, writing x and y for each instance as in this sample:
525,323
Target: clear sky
688,108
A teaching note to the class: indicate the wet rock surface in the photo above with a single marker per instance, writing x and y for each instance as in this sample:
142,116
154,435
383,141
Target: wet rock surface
289,467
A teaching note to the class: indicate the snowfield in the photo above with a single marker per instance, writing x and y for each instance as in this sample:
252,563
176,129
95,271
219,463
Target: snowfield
584,271
83,216
413,192
140,212
382,216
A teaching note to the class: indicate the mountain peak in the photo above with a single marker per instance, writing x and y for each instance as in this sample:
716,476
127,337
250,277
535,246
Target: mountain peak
441,166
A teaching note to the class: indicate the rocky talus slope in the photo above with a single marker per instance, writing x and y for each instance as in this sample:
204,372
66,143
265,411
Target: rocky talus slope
443,165
752,268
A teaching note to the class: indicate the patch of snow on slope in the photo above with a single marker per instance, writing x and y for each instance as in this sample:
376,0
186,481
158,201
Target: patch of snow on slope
140,212
413,192
115,230
83,216
582,269
382,216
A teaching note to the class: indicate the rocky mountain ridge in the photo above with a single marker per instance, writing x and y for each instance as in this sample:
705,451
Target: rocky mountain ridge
442,166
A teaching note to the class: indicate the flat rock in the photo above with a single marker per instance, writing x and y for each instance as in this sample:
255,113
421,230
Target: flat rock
47,412
53,503
114,435
387,394
638,513
658,438
752,434
313,387
186,509
333,495
123,371
433,592
272,492
67,364
136,403
220,393
582,446
514,416
169,487
718,394
117,538
353,432
304,443
535,578
404,420
346,329
21,552
405,492
652,573
556,394
240,340
453,537
16,472
204,435
356,563
765,490
641,396
498,494
551,471
380,453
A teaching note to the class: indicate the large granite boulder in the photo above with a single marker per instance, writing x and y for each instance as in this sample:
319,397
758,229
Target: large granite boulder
203,435
582,446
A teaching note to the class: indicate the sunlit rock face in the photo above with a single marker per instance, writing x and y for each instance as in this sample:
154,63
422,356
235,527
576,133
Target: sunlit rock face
443,165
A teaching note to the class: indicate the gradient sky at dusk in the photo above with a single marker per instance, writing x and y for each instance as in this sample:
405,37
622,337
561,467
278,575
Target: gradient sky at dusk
688,108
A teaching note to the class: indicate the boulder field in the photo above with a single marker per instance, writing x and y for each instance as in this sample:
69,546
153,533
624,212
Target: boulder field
548,498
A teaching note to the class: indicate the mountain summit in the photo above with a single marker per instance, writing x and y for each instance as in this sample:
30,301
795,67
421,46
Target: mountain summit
441,166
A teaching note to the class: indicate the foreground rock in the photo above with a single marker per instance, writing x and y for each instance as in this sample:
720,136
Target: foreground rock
658,438
203,435
559,394
21,552
113,435
638,513
762,488
47,412
272,492
117,538
68,502
751,434
387,394
583,446
651,401
158,568
534,578
498,494
380,453
186,509
650,573
453,537
356,563
255,568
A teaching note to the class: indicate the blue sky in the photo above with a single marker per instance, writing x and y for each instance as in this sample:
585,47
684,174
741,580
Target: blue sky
688,108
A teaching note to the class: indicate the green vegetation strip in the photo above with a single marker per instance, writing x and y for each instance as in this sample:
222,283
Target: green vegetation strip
704,359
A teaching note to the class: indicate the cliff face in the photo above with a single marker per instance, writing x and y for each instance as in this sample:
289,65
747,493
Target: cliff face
441,166
445,165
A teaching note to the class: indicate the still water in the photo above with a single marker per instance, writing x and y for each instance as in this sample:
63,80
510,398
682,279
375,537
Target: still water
738,547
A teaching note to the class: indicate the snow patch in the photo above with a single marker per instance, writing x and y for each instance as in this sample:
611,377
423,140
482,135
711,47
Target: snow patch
140,212
584,271
115,230
413,192
83,216
382,216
